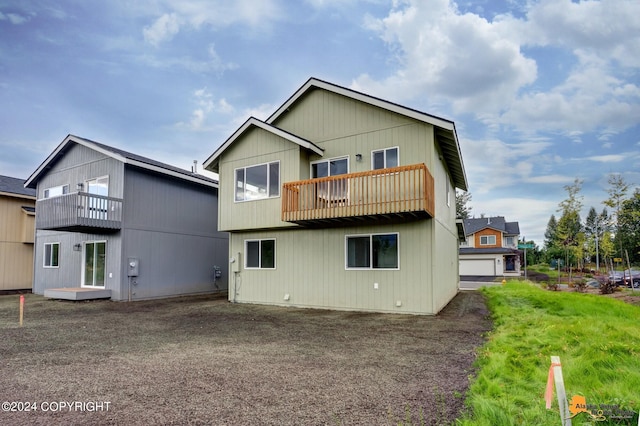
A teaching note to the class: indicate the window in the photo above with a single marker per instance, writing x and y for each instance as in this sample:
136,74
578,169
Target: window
336,191
332,167
260,254
376,251
509,241
488,240
56,191
51,251
258,182
384,158
448,194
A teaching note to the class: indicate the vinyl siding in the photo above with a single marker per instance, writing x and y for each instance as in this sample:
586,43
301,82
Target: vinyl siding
258,147
310,267
16,243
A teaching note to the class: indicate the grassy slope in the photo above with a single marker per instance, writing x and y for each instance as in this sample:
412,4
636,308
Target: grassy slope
596,338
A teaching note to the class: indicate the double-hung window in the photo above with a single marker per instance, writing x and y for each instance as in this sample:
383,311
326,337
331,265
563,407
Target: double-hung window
374,251
258,182
384,158
51,253
260,254
488,240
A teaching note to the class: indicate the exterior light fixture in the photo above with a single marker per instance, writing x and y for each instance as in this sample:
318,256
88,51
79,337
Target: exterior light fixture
358,157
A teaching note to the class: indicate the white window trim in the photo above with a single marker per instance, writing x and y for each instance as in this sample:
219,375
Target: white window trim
384,150
44,259
328,160
45,193
448,193
235,187
370,268
259,240
488,243
86,183
84,254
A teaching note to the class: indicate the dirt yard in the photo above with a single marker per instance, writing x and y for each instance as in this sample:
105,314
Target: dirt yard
202,360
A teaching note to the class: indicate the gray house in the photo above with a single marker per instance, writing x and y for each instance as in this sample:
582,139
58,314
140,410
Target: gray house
112,224
341,200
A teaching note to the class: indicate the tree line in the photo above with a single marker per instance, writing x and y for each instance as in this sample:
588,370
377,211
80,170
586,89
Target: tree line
601,240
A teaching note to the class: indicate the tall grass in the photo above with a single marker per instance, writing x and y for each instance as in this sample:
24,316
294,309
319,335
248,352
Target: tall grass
596,338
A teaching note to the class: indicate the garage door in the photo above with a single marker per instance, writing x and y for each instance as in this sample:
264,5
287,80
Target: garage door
477,267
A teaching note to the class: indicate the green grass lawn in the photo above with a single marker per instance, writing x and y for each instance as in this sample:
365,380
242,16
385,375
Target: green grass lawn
596,338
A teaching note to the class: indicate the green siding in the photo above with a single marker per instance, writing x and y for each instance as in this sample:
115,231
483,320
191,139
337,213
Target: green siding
257,146
310,263
310,268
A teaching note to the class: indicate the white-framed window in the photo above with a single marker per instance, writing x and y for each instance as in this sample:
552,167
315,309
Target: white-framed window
51,255
448,190
330,167
257,182
56,191
487,240
372,251
509,241
385,158
336,191
260,254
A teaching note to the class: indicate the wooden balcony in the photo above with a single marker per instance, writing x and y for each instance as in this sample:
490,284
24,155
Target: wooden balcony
79,212
405,192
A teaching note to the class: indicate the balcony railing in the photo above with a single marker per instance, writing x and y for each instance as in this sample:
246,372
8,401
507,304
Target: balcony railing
79,212
405,191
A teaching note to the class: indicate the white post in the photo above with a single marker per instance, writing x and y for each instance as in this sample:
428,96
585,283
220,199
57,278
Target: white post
556,372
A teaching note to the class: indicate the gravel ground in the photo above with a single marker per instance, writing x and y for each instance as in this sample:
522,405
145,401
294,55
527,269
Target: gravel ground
203,360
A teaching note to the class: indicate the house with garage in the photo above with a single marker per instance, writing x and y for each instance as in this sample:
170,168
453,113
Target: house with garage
17,224
341,200
112,224
490,248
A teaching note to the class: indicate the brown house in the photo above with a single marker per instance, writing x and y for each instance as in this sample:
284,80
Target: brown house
17,225
491,247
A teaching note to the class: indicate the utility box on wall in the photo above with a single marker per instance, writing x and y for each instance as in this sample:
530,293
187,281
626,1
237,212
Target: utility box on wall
133,267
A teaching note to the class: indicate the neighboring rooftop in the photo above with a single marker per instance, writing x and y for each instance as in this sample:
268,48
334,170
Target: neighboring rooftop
13,185
498,223
121,155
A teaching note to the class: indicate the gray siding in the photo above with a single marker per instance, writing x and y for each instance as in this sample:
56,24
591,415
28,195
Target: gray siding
171,227
69,271
79,164
169,224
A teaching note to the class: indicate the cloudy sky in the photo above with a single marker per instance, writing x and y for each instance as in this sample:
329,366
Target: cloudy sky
541,91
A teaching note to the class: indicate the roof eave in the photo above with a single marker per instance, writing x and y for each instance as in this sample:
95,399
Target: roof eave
211,163
450,144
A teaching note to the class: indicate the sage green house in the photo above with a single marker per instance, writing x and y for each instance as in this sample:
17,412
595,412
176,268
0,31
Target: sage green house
341,200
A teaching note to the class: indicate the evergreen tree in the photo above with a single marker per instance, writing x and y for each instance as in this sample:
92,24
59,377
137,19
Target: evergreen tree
617,191
463,211
628,234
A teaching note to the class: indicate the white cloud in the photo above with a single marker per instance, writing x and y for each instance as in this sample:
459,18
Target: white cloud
492,164
256,15
206,105
461,58
14,18
480,66
213,64
163,29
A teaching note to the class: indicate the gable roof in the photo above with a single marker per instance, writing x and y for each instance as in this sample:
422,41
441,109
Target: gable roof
445,130
212,161
15,187
120,155
498,223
